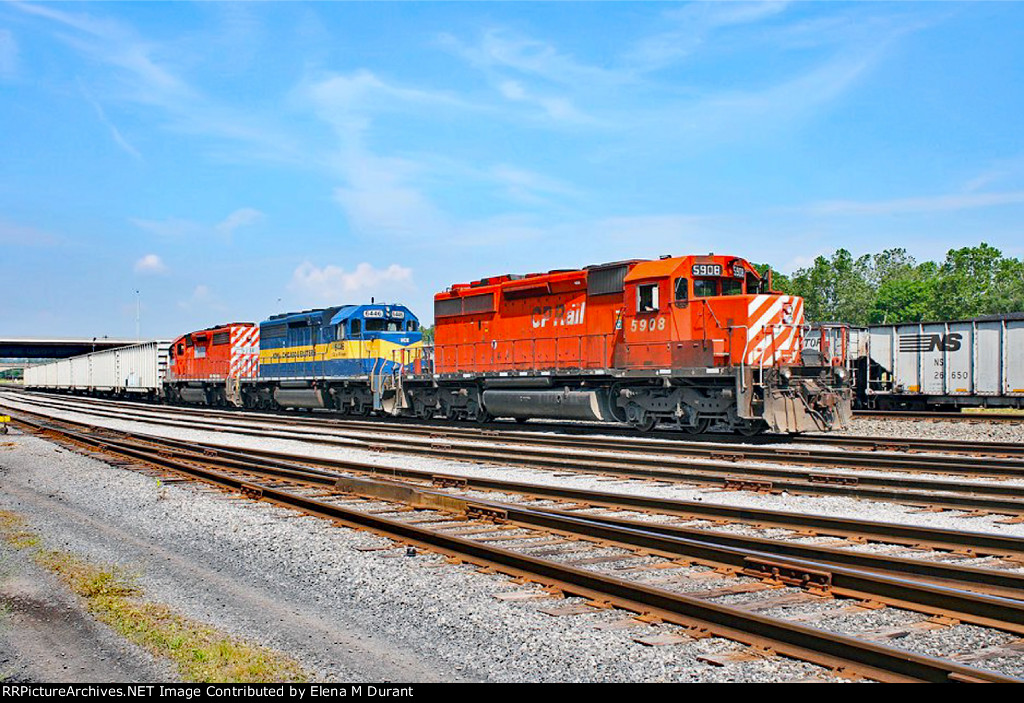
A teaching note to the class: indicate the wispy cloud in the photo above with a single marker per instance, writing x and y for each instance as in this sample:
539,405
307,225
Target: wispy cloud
380,194
330,283
691,29
8,54
177,228
13,234
556,107
500,49
150,263
115,133
172,227
202,300
927,204
144,74
243,217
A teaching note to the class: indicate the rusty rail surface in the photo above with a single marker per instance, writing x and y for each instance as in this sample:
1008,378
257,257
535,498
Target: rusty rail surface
940,415
663,442
834,651
955,540
726,471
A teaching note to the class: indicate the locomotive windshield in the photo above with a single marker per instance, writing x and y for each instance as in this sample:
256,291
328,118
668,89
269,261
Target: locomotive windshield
732,286
382,326
705,287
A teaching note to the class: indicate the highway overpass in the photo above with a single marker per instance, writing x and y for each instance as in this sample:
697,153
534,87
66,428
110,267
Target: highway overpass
43,348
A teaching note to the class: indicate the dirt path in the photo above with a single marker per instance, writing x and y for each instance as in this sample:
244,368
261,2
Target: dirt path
46,635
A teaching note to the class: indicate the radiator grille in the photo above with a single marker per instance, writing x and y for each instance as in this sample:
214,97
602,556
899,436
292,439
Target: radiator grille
607,280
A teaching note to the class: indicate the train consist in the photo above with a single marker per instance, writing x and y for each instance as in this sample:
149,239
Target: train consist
930,365
685,342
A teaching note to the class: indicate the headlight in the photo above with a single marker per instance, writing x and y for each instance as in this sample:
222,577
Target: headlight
786,373
840,373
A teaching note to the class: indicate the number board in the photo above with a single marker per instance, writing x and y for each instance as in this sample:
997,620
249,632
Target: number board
373,313
397,314
738,271
707,269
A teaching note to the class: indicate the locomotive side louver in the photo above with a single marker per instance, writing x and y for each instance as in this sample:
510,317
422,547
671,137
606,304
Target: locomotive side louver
602,281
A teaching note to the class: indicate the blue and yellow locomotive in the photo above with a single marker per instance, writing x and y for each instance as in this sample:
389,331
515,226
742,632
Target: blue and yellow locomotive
348,358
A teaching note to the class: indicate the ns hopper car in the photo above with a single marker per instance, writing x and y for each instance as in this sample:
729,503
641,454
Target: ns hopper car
977,362
681,341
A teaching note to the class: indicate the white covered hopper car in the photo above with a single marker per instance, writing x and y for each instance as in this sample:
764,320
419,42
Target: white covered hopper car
136,370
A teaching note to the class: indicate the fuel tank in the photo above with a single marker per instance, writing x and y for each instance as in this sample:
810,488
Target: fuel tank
554,404
300,398
192,395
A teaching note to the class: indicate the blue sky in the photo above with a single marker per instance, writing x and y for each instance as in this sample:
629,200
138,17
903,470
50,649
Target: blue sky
235,160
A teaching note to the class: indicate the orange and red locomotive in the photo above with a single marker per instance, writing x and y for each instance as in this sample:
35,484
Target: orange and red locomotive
685,341
206,367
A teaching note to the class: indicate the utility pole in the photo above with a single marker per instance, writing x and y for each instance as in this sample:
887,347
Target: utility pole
138,312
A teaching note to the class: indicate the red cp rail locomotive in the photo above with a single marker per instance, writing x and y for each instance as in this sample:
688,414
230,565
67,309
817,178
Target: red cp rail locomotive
685,341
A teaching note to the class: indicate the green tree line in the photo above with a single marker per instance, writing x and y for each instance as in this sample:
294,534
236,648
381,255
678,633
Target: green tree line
891,286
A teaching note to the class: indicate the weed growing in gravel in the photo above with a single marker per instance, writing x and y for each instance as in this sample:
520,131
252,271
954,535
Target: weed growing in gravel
14,532
200,652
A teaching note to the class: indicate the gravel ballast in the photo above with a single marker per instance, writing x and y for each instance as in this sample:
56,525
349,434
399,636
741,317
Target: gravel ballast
298,585
833,506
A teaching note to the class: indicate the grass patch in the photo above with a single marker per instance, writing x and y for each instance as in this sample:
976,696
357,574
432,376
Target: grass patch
200,652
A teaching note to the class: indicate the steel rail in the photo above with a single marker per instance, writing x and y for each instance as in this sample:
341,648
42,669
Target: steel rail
883,454
940,415
760,447
955,495
832,650
980,543
990,581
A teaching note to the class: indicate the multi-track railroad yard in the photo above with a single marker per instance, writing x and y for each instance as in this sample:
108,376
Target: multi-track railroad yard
781,583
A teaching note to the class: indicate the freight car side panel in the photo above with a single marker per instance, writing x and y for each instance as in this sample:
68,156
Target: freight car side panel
1014,357
988,355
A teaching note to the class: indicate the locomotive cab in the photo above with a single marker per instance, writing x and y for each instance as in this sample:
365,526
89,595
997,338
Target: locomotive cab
694,317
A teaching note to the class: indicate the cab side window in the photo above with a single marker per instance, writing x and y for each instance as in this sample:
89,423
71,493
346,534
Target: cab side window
647,297
682,290
705,287
357,328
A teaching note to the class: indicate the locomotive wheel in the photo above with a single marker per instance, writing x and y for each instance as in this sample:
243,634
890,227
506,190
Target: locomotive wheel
641,420
342,408
426,412
482,416
751,428
700,428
